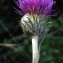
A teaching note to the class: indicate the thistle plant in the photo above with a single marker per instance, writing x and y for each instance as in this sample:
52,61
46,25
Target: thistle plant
35,22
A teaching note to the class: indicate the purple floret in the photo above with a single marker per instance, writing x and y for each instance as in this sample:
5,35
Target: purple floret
39,7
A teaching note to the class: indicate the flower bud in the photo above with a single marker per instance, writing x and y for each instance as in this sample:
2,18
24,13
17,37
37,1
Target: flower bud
34,25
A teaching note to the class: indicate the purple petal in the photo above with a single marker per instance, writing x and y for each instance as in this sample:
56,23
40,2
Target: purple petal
43,7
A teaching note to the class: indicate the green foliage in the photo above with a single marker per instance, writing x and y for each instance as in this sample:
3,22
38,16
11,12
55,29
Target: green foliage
51,50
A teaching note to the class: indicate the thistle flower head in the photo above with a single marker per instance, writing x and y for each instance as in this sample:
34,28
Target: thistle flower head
35,11
39,7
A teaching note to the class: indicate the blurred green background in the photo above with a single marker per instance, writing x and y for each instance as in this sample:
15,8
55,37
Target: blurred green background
11,33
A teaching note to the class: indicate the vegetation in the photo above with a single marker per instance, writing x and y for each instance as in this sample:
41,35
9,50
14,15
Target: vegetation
21,52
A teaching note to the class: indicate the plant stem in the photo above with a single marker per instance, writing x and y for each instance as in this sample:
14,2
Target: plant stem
35,51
